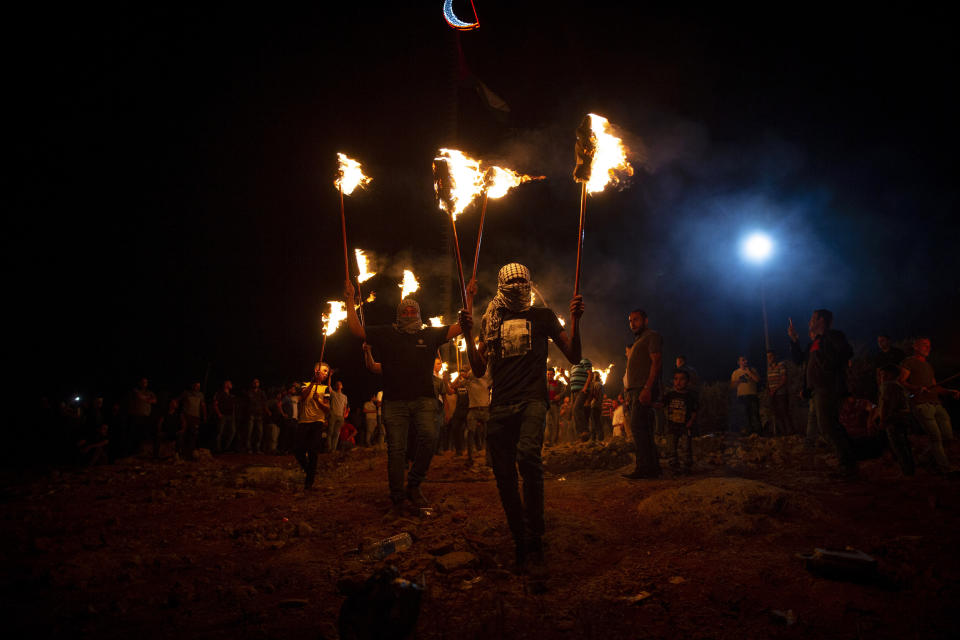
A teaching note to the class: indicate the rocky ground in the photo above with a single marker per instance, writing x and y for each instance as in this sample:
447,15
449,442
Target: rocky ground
232,547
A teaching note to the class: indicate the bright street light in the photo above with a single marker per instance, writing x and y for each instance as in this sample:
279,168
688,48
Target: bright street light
757,247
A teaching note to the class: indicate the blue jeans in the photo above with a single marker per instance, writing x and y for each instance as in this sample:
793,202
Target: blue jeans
515,441
226,429
253,435
398,416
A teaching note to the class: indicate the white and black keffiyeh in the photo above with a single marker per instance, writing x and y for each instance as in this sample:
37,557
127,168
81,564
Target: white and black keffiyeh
408,325
512,296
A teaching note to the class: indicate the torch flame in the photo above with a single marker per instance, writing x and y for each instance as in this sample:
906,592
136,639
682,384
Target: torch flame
458,180
461,343
443,368
372,296
533,298
497,181
454,376
364,266
409,285
604,373
610,159
563,322
436,321
332,320
349,175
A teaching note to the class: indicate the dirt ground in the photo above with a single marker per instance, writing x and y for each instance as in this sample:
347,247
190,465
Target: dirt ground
232,547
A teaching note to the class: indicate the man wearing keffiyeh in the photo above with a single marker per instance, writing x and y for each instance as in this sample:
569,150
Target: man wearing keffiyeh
405,352
513,344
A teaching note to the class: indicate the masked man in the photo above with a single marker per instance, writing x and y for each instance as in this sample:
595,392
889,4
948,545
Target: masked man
513,343
405,352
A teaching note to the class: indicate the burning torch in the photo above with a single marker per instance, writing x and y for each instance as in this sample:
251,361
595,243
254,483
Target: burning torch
497,181
331,321
349,177
601,159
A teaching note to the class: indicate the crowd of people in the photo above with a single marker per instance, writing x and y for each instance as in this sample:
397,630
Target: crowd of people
505,403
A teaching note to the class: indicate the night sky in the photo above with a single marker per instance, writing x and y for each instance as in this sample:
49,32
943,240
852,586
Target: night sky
174,214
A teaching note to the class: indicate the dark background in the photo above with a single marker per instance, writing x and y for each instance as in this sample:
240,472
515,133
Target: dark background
173,215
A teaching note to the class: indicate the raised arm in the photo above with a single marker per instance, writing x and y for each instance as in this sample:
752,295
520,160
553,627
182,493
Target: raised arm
477,357
570,345
353,322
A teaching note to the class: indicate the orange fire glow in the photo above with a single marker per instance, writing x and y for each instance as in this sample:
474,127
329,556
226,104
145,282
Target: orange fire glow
610,164
349,175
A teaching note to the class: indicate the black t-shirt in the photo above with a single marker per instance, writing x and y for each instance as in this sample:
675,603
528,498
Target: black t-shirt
893,356
519,364
407,359
679,406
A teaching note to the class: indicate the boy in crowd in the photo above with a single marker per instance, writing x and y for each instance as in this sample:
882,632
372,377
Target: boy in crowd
680,404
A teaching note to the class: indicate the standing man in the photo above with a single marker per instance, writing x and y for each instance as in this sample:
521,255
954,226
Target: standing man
406,351
339,410
141,406
225,407
312,425
778,391
581,375
887,354
745,379
826,361
644,363
256,410
478,414
917,377
370,420
513,343
194,408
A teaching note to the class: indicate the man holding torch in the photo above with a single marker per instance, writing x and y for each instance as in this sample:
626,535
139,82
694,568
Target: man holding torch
405,351
513,343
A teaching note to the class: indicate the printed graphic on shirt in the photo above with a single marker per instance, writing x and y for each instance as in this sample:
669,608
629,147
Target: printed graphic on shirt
515,337
677,410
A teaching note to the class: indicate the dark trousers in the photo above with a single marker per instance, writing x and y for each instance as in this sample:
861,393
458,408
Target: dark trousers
826,406
403,418
780,407
596,421
751,406
515,441
288,434
580,414
675,433
310,441
458,430
900,445
187,437
642,421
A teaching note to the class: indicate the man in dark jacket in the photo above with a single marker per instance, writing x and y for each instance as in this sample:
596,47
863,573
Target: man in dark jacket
825,360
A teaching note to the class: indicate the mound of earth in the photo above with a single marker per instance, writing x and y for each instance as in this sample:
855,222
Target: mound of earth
612,454
727,506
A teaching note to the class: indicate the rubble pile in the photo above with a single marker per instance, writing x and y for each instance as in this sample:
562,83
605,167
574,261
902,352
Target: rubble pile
612,454
727,506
